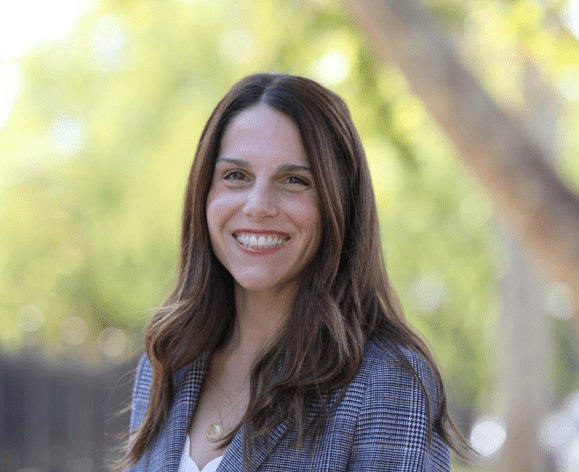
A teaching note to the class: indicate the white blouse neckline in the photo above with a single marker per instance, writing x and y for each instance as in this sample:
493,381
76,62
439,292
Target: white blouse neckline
187,464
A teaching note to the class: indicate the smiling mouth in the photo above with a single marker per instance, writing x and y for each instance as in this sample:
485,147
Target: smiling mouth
255,241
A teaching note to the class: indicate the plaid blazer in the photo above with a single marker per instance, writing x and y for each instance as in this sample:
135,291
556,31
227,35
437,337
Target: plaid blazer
380,424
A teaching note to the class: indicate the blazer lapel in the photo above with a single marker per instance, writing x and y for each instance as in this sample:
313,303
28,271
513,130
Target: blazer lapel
168,447
166,454
233,459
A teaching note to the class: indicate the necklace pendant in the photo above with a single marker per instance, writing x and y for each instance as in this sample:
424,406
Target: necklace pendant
214,432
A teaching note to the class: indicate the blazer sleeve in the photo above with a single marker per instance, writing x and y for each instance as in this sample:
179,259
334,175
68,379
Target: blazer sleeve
392,427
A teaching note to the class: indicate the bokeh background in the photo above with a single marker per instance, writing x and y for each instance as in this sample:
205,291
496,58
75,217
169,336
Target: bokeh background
102,103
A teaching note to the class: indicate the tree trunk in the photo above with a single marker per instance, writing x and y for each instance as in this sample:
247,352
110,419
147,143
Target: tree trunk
527,337
508,161
525,383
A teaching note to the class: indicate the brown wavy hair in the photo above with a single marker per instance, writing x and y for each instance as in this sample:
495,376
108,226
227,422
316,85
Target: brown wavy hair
344,300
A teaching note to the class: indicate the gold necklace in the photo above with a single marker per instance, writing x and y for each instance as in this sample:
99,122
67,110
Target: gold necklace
215,430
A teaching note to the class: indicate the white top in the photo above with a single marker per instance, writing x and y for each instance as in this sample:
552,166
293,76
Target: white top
188,465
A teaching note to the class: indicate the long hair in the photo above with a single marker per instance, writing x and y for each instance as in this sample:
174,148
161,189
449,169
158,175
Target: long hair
344,300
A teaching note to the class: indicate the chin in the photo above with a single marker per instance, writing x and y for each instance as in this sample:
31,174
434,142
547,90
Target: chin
260,284
257,286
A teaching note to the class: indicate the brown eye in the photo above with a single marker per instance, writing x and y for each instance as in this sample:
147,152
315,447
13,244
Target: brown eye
296,180
234,175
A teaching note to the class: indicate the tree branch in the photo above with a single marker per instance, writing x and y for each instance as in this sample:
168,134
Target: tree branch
508,161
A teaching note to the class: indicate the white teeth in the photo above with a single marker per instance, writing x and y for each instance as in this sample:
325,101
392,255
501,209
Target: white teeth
261,242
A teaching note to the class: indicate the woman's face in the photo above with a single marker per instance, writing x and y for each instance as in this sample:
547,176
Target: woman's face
262,207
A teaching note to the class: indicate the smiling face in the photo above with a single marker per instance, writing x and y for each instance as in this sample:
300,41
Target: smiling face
262,208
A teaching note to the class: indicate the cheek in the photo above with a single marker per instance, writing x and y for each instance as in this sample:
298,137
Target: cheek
306,215
218,209
217,216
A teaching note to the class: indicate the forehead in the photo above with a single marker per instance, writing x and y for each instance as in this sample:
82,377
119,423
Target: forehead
262,132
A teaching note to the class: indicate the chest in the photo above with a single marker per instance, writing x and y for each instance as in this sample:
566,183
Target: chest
214,413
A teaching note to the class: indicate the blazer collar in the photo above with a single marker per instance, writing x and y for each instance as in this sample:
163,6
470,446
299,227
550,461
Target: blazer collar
188,382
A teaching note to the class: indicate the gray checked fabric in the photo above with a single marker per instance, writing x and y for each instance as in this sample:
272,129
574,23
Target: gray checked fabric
379,425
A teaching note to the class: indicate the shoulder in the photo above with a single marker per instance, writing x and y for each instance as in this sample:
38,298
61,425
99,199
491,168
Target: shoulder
394,397
398,380
144,383
397,370
144,379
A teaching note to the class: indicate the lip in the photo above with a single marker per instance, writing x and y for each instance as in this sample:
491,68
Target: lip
259,231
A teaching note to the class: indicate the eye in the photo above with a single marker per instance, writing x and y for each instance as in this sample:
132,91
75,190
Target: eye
234,175
296,180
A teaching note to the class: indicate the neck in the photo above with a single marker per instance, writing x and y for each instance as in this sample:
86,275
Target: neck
258,317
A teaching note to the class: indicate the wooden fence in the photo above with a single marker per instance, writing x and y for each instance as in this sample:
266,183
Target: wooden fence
60,417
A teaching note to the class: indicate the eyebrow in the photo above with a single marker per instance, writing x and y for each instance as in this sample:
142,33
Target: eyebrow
247,165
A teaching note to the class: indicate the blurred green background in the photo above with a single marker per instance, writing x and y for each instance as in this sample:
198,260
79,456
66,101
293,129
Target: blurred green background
98,127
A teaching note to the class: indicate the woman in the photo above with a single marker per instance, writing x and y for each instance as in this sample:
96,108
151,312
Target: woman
282,346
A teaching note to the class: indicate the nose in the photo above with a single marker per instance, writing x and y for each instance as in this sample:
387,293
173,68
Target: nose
260,201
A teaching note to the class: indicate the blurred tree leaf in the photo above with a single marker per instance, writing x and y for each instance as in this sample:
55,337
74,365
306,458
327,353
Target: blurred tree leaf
96,153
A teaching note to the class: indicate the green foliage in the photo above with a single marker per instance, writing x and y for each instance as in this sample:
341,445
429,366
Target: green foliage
94,232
